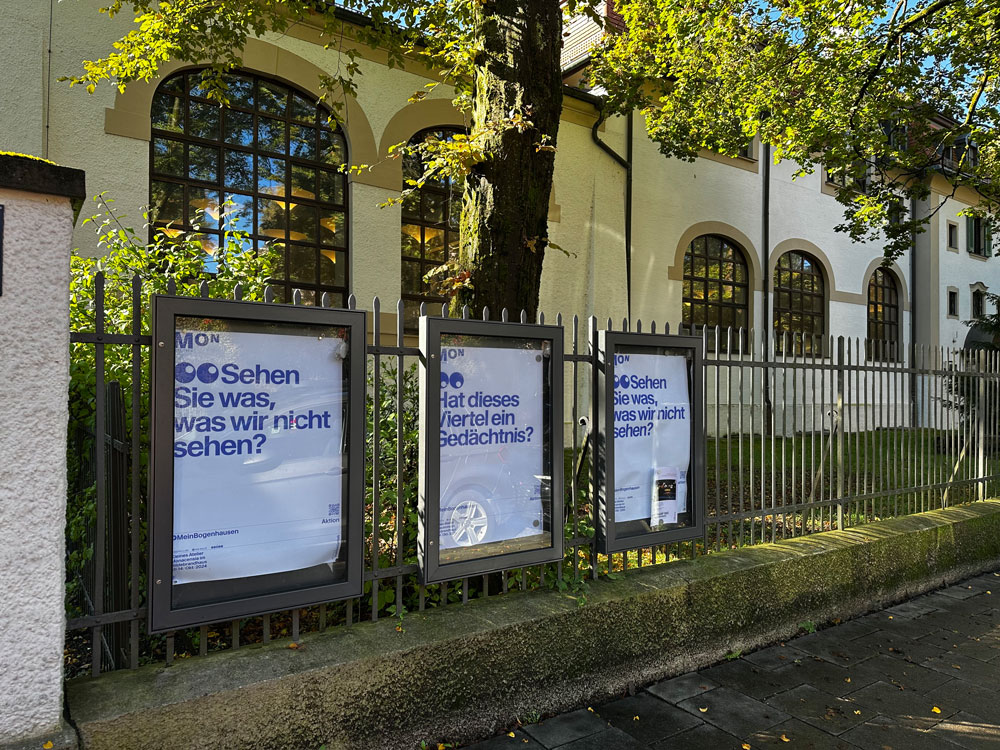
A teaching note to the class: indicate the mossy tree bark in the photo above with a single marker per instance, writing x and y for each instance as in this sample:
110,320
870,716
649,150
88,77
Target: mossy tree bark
505,211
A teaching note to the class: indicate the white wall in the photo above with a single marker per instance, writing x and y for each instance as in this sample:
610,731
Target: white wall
34,368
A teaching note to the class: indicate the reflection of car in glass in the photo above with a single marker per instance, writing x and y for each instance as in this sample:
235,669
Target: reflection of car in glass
491,495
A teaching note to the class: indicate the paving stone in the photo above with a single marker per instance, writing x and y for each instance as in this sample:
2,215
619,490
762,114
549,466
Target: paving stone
827,646
911,610
966,668
967,731
504,742
702,737
828,677
747,678
796,734
852,629
776,657
961,592
566,727
983,702
679,688
940,601
656,718
914,629
822,710
887,643
902,673
967,623
734,712
905,706
883,733
609,739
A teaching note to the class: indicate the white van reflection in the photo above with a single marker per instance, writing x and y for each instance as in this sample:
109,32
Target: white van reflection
491,496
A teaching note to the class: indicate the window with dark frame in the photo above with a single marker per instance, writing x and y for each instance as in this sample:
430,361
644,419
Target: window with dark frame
977,236
882,343
952,236
716,289
273,155
952,303
799,304
978,304
429,232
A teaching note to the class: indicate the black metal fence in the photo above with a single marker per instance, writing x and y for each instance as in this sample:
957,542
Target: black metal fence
796,444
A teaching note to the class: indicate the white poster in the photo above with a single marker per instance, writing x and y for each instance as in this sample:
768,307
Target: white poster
258,439
491,445
652,434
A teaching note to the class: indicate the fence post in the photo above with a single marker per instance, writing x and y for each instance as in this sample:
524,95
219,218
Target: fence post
981,426
35,239
841,377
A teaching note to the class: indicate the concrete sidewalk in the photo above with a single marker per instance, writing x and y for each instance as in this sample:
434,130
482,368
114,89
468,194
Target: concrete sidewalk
923,675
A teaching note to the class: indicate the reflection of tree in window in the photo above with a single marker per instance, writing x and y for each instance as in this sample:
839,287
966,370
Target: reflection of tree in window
882,343
799,304
716,288
272,154
429,236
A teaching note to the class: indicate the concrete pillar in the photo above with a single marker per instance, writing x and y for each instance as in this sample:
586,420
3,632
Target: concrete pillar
37,199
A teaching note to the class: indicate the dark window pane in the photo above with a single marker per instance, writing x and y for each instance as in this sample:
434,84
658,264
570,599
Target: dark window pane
203,163
331,229
412,283
168,157
238,170
303,142
271,135
273,98
302,223
302,264
331,148
238,215
203,120
167,202
167,112
204,208
303,109
434,244
331,187
411,240
239,128
271,220
332,267
303,182
271,175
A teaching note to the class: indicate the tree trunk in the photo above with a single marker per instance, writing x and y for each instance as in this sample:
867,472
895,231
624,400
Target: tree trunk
506,202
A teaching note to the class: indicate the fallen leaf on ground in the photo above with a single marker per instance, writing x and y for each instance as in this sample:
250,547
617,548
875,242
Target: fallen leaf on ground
510,734
857,713
704,710
936,710
48,745
635,718
745,746
847,679
783,738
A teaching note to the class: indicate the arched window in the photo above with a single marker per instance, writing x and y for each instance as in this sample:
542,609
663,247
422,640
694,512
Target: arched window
716,286
273,155
882,343
799,303
430,219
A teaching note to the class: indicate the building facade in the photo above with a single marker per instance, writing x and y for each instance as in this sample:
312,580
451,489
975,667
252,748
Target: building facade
720,241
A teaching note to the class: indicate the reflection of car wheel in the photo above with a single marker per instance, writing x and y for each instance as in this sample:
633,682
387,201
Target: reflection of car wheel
469,519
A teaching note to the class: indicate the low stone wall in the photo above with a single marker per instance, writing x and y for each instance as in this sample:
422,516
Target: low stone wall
466,671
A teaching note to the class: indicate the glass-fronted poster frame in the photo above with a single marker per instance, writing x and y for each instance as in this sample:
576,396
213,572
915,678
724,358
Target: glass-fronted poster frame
491,447
654,491
257,459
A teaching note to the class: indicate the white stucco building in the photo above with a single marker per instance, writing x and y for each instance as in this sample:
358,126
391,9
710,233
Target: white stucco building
761,246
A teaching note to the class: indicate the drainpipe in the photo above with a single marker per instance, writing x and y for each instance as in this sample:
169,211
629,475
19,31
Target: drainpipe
626,164
765,252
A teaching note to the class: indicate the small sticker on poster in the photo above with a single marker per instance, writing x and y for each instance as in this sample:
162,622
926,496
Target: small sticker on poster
665,507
